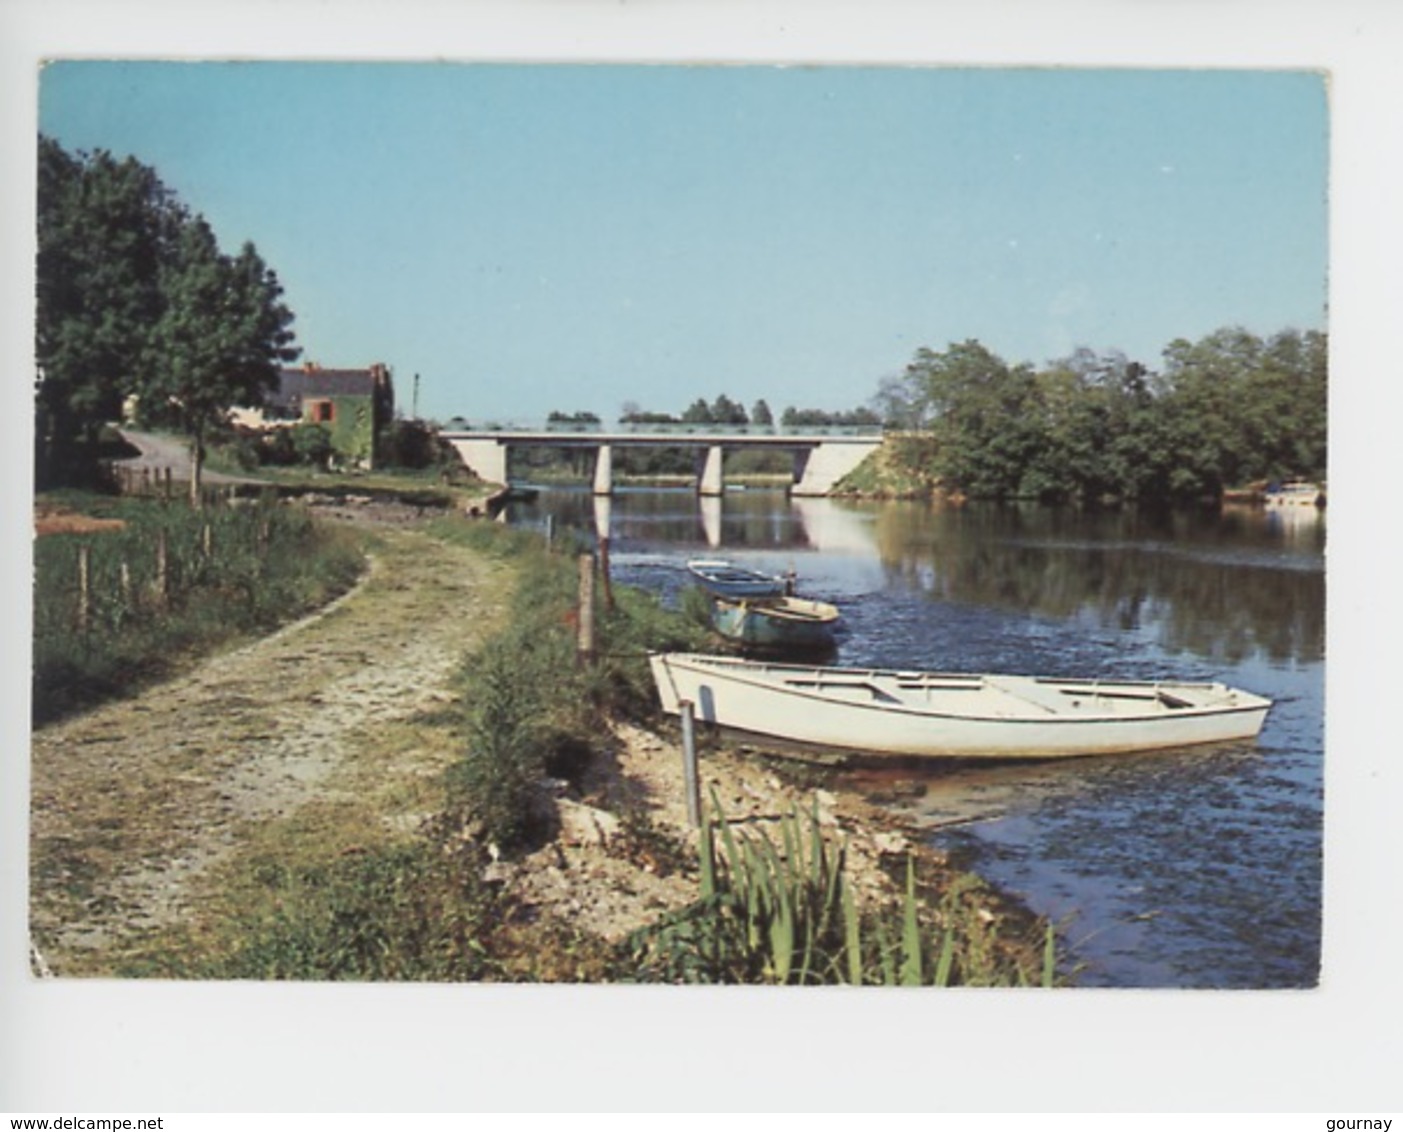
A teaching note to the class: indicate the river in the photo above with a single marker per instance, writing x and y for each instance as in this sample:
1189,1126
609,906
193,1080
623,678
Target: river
1194,868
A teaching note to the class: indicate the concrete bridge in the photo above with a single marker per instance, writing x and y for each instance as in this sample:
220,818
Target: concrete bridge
822,456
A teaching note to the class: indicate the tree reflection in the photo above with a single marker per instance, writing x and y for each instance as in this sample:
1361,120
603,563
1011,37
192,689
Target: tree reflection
1224,586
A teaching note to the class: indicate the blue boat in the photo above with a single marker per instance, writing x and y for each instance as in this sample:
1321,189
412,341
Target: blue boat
777,624
725,579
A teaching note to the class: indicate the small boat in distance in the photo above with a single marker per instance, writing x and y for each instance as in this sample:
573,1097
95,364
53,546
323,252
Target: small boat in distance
1294,493
776,624
921,715
725,579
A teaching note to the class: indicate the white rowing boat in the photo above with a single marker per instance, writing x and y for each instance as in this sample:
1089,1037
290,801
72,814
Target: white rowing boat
953,715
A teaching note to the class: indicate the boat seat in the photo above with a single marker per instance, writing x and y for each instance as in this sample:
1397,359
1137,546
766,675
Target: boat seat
1045,696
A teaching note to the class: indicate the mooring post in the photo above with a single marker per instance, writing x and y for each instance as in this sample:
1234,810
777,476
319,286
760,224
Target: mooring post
689,764
584,652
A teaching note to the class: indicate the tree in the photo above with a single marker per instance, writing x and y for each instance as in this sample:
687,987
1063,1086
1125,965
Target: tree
134,297
760,414
104,229
219,341
698,412
983,414
726,411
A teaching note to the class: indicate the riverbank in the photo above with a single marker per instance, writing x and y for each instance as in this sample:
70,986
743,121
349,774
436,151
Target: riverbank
179,832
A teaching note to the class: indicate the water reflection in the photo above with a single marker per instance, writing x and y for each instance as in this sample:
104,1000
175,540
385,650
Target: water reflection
1220,586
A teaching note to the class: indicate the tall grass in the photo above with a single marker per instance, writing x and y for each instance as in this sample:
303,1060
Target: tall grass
783,910
532,709
227,572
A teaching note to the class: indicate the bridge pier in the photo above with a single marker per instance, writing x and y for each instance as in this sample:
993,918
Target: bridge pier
604,470
711,482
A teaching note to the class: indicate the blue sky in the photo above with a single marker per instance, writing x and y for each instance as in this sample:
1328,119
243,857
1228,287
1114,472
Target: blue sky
541,236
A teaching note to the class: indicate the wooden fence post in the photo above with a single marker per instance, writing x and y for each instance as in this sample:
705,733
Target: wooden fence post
162,570
584,651
207,541
604,574
84,587
689,764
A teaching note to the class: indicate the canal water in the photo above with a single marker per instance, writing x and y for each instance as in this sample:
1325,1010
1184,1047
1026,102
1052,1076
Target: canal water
1194,868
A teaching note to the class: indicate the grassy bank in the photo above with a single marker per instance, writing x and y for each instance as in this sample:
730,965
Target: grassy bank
127,590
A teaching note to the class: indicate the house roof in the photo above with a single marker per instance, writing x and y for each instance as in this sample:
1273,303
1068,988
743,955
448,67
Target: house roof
297,384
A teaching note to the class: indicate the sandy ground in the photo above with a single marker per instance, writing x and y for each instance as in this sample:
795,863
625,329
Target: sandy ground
134,803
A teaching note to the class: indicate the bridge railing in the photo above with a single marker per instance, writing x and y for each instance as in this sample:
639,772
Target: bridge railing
661,428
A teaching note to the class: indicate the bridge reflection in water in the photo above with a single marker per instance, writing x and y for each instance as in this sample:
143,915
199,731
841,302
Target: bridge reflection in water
754,519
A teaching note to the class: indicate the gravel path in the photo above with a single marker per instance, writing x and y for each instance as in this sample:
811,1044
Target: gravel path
133,802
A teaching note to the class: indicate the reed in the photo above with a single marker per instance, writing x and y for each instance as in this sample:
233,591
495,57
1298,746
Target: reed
783,910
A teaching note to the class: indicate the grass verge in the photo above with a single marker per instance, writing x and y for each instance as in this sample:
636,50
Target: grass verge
117,609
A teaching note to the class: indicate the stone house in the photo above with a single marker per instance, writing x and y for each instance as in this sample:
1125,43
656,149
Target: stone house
353,404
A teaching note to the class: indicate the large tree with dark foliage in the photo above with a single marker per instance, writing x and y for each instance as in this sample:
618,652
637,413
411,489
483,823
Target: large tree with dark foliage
219,341
135,298
104,228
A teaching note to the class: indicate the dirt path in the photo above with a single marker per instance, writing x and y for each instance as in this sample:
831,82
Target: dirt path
133,803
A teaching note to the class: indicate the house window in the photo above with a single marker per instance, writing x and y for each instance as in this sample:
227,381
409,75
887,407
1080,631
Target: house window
321,412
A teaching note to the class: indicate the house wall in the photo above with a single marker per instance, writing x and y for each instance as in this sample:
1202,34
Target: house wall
352,425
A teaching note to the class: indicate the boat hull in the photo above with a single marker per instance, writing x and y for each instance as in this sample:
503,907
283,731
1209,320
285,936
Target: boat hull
726,580
776,625
942,715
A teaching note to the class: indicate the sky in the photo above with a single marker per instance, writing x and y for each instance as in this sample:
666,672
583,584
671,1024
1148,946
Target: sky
535,237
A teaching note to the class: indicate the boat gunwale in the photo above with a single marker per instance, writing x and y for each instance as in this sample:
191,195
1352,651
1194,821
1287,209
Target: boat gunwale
784,608
897,706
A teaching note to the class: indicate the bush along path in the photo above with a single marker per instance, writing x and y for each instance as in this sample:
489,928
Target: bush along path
134,804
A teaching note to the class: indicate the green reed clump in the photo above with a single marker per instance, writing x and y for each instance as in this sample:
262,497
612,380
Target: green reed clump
171,581
783,911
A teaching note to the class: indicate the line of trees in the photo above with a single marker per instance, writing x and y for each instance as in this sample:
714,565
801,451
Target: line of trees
1226,411
136,300
724,411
